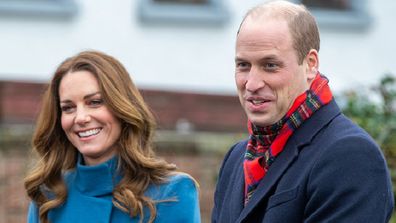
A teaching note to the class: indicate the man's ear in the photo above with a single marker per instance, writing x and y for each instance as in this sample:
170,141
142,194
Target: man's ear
312,66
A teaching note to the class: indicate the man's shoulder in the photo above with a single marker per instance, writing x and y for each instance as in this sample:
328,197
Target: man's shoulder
237,149
342,127
344,138
234,156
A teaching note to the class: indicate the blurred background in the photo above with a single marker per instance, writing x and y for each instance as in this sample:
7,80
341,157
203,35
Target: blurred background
180,53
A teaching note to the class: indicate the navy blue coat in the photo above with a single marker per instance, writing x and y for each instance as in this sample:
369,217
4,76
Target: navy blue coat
329,171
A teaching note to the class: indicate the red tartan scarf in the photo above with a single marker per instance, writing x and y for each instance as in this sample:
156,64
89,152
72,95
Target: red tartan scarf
265,143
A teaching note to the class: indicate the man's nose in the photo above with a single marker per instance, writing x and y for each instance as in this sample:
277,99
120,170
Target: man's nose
255,80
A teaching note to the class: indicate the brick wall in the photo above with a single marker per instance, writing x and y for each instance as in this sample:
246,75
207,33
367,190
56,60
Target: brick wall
20,103
13,199
205,112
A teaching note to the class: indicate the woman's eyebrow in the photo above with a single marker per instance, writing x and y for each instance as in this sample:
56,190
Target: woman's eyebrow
85,97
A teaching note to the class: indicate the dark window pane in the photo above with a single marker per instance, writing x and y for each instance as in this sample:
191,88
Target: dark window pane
328,4
28,1
183,1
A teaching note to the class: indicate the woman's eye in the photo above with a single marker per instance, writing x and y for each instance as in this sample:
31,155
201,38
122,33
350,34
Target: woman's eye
66,108
96,102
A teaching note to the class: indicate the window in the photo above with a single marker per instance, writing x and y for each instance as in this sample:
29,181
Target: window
182,11
340,14
184,1
39,8
328,4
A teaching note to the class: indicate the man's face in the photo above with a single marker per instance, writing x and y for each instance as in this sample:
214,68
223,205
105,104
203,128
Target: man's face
267,73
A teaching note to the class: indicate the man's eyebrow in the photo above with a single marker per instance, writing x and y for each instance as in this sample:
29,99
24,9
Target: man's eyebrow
237,59
270,57
264,58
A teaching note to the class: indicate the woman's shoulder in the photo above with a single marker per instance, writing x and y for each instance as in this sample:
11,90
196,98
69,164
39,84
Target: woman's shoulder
178,199
33,213
177,184
180,178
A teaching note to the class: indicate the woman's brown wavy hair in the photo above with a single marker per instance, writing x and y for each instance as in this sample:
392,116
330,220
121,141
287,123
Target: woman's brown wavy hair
45,185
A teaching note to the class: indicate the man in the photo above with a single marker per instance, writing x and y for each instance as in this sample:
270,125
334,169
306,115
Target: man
304,161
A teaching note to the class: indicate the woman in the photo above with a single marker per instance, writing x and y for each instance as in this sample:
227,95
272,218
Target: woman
96,163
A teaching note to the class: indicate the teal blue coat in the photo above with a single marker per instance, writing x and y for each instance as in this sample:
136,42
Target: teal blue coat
89,198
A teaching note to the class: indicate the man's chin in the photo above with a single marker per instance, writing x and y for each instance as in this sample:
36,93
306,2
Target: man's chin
262,120
259,122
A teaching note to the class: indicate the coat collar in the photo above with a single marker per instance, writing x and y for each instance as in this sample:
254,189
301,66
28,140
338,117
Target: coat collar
97,180
302,136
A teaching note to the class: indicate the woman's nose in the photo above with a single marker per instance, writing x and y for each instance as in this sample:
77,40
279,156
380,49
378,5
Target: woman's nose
82,116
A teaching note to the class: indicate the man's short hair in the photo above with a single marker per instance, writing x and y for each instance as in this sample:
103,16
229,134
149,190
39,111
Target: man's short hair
302,25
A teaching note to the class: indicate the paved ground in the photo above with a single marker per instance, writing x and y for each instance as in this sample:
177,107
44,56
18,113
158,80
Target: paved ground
13,201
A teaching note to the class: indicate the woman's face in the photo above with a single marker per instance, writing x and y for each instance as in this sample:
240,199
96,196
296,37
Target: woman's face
86,120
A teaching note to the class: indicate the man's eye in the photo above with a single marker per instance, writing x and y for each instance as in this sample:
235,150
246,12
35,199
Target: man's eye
242,65
271,66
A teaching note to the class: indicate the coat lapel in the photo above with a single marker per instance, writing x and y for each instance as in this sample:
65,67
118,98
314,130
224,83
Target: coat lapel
236,201
233,201
301,137
269,181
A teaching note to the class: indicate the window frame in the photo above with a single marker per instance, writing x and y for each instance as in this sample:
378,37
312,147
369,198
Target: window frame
212,12
38,8
356,18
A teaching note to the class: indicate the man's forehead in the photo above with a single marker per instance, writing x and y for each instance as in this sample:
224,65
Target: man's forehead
264,18
262,33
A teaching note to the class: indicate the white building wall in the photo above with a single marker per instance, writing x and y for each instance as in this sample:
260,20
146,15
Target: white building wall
197,58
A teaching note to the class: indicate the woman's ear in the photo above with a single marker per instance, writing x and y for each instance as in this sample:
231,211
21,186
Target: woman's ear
312,59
